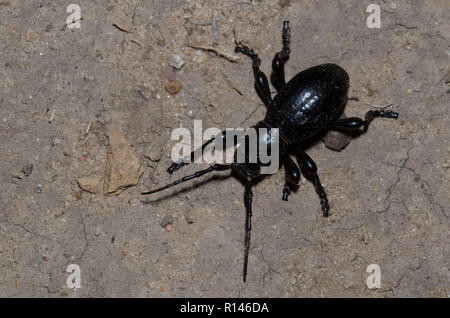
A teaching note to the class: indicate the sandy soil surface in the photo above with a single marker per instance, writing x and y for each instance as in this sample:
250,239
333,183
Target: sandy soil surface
63,90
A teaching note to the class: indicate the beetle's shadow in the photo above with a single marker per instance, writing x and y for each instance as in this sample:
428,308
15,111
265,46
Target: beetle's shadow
188,188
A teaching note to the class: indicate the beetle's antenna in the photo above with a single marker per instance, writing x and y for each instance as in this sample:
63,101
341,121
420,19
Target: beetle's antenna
248,225
215,167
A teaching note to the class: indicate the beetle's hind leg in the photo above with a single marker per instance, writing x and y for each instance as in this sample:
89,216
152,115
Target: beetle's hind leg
308,164
248,196
277,78
292,176
261,82
355,123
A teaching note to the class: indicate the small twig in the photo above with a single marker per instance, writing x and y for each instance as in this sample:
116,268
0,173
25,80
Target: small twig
231,84
88,128
214,27
377,106
231,58
67,24
197,22
121,28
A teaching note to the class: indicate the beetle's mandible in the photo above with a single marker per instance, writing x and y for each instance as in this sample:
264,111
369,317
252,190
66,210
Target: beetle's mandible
307,104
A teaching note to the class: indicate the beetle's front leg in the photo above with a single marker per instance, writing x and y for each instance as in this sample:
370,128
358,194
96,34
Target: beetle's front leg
355,123
278,78
196,153
308,164
261,82
292,176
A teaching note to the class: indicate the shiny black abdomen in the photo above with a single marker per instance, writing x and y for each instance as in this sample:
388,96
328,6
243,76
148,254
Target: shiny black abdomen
308,102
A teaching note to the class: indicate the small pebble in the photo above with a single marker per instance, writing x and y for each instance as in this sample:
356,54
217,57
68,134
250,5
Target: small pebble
160,41
176,61
38,189
168,219
173,87
169,73
284,3
98,231
337,140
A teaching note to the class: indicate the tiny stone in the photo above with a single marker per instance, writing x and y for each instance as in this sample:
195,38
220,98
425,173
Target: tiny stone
169,72
284,3
78,195
176,61
98,231
160,41
337,140
447,77
89,184
173,87
28,169
188,218
168,219
37,189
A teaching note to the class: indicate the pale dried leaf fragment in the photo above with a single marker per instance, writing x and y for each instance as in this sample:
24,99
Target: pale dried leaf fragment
123,168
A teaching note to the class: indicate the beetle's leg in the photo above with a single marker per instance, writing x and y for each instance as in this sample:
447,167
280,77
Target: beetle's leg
196,153
308,164
277,78
355,123
261,82
292,176
248,224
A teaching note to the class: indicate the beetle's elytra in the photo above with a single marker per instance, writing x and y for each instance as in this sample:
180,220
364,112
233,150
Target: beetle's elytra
310,102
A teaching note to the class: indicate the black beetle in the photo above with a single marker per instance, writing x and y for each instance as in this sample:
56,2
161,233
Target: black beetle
309,103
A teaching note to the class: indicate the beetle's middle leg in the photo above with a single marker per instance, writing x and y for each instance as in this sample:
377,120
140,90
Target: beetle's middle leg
308,164
261,82
292,176
355,123
277,77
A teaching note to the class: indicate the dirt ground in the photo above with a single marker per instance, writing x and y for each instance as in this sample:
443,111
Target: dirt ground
388,190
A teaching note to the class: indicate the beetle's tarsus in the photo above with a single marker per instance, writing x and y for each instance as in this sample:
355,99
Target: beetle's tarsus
175,166
286,192
277,78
